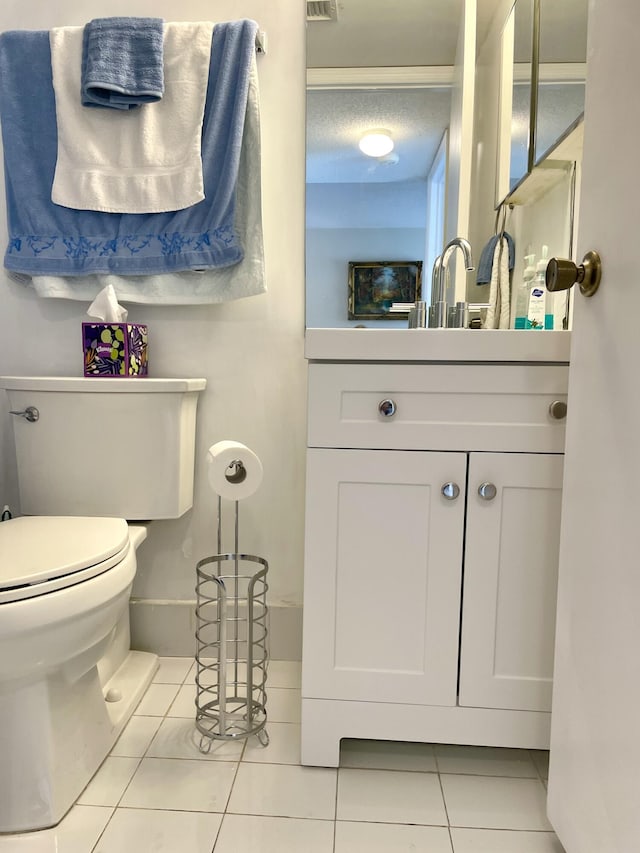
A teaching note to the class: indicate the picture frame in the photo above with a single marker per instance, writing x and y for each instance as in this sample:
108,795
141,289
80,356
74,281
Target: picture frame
375,285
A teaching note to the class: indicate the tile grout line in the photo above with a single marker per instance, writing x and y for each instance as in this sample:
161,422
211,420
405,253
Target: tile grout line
104,829
140,758
242,759
335,807
444,803
453,850
226,805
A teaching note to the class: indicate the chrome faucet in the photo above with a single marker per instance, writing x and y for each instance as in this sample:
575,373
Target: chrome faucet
438,308
435,279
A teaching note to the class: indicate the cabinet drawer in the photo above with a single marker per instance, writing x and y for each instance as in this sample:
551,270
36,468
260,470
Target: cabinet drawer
501,407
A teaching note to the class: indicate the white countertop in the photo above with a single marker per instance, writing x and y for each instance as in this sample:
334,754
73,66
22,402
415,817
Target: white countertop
437,345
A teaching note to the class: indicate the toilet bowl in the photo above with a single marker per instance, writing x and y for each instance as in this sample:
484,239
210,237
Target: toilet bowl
69,681
64,593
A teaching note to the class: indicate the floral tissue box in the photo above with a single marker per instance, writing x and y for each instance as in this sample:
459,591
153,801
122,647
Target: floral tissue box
115,349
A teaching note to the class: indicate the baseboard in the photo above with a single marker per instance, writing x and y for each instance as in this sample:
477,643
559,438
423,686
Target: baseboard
167,628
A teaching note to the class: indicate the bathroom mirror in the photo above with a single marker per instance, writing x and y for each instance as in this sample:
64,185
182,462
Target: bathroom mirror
542,84
369,209
516,84
375,66
562,56
522,64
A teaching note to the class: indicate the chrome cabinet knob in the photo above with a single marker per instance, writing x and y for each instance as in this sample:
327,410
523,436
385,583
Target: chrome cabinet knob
30,414
450,491
487,491
387,408
562,274
558,410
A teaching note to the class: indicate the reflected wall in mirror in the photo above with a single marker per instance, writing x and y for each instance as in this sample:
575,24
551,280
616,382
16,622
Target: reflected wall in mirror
379,66
562,69
363,208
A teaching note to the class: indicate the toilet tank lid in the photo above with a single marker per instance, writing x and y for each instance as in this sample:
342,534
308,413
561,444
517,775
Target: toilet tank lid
34,549
86,384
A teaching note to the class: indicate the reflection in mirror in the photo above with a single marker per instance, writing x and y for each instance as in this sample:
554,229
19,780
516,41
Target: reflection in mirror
562,67
521,92
364,208
375,65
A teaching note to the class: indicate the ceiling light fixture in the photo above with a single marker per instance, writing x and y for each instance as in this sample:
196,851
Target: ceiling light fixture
377,143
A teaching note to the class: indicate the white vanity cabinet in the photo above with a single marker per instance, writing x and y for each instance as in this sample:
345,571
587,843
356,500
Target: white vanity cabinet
510,581
383,575
431,553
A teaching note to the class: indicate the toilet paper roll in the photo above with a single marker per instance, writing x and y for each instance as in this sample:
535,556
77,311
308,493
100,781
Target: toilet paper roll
235,472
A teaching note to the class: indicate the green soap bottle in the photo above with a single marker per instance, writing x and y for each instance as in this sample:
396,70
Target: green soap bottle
540,313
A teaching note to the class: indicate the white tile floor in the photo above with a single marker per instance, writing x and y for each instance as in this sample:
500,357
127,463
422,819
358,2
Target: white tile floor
156,793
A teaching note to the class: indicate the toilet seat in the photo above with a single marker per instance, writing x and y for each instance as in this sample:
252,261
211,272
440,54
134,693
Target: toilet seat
43,554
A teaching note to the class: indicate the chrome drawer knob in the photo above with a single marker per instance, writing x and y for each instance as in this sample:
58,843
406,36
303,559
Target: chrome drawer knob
558,410
487,491
450,491
387,408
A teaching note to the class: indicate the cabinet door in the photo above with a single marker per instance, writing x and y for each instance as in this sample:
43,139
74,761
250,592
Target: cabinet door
510,581
382,575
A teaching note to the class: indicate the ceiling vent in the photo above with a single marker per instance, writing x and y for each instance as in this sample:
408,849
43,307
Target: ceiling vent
322,10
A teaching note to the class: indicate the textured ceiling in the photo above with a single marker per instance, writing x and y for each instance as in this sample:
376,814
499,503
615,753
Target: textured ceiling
336,119
383,33
379,34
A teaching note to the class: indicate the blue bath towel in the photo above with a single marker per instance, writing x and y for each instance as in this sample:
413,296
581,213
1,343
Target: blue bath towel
47,239
486,258
122,62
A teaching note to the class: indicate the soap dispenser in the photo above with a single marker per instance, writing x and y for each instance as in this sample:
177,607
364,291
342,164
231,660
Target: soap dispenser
524,290
537,313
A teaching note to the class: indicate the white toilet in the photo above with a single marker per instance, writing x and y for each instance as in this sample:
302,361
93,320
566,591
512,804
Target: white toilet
89,454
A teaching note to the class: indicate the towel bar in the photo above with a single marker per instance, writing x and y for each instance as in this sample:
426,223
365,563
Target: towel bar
261,42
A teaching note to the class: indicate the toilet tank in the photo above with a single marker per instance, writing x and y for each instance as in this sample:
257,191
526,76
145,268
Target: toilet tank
107,447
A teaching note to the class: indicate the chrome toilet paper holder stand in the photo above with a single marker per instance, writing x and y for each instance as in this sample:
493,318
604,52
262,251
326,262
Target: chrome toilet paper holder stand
231,639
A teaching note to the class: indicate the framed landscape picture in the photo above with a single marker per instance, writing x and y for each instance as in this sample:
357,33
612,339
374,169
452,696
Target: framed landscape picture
375,285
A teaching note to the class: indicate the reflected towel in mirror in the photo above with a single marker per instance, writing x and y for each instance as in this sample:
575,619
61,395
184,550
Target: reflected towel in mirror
486,258
500,292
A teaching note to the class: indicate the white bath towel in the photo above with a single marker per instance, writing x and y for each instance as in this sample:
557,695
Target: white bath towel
499,292
246,278
145,160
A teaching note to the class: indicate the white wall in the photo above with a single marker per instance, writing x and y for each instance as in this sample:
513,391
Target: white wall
250,351
329,251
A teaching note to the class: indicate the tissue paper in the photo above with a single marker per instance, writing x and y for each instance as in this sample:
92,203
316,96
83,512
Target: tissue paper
230,480
106,307
113,347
